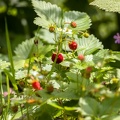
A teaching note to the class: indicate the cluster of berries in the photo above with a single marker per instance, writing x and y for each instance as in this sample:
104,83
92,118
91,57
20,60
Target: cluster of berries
58,58
73,46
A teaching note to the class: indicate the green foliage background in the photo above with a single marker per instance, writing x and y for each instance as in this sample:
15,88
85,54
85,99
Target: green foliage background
92,81
20,16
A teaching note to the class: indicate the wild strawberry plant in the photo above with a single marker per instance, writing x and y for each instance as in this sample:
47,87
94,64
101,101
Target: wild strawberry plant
62,73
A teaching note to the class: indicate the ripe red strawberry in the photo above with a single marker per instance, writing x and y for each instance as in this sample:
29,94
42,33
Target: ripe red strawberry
72,45
87,72
88,69
51,28
36,85
50,88
59,58
81,57
73,24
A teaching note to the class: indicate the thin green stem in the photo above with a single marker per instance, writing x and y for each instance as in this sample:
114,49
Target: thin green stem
29,65
21,110
28,117
77,82
53,66
2,99
8,90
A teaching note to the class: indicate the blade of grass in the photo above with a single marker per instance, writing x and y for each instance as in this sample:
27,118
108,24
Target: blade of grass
8,97
10,57
2,100
1,88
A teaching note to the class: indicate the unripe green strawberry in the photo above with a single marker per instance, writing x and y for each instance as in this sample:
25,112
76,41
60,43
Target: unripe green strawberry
86,34
59,58
51,28
72,45
50,88
81,57
73,24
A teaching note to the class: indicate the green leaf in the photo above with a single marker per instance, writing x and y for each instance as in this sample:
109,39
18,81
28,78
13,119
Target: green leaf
19,64
116,54
45,112
43,22
70,92
82,19
89,106
110,106
46,36
88,45
73,76
4,64
66,63
48,13
118,73
108,5
27,48
44,49
100,56
24,50
102,53
116,118
45,95
21,74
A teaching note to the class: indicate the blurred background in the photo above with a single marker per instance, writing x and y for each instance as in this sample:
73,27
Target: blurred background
20,16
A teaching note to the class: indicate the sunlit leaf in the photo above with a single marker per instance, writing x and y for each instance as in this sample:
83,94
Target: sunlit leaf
102,53
116,118
110,105
27,49
21,74
19,64
70,92
73,76
108,5
23,50
82,20
48,13
89,106
4,64
43,22
45,111
88,45
46,36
